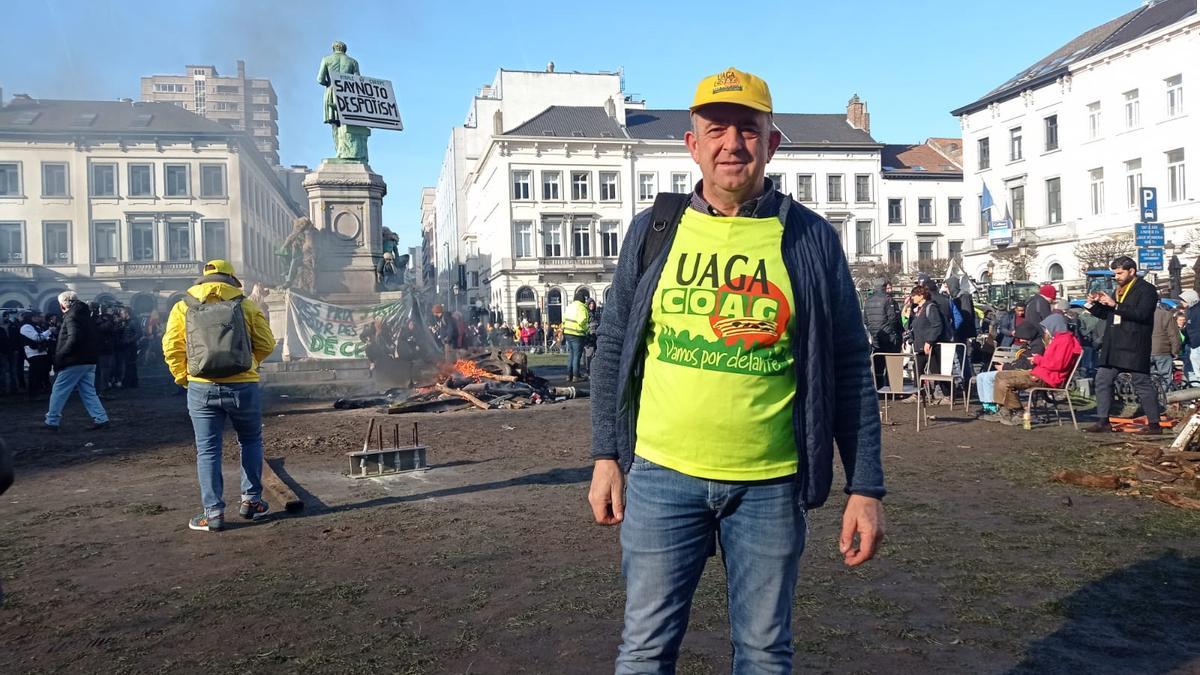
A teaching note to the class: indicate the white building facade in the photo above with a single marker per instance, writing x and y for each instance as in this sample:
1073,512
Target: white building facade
540,202
1066,145
122,202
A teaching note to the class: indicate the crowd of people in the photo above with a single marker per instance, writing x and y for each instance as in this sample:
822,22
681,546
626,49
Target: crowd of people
28,342
1134,332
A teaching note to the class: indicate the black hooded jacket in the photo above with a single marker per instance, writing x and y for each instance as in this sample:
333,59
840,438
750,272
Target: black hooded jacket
77,338
882,318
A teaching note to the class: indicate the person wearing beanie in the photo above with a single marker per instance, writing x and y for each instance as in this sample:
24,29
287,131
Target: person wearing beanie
1038,307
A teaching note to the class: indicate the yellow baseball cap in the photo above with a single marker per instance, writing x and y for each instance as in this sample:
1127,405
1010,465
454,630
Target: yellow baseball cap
733,86
219,267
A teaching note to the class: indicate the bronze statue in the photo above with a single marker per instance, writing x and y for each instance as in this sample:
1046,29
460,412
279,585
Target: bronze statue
301,253
349,140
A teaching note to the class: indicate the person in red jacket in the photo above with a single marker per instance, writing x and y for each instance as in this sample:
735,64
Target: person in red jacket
1050,369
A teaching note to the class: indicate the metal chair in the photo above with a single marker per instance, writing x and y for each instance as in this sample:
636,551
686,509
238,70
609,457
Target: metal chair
894,365
1065,390
1002,356
946,353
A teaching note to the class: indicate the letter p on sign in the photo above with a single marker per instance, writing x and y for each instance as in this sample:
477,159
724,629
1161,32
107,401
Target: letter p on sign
1149,205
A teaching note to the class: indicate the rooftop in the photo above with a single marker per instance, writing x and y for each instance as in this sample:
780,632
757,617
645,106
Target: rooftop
918,160
1124,29
41,116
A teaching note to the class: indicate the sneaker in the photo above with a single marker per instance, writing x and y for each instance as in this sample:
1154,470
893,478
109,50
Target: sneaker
97,426
206,523
1099,428
1151,430
1012,420
50,427
254,510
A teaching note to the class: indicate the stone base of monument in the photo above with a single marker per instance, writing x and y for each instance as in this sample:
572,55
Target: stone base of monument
345,203
318,378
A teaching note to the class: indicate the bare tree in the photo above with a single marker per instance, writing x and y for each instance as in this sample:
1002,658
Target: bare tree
1018,265
1099,254
934,267
865,274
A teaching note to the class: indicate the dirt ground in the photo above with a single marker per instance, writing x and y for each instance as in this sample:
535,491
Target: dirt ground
488,562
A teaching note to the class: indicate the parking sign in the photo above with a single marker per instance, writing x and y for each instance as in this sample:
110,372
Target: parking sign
1149,204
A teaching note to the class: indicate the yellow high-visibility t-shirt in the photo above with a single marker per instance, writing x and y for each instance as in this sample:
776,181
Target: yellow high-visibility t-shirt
719,383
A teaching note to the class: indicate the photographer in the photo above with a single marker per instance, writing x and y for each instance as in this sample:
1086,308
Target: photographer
36,339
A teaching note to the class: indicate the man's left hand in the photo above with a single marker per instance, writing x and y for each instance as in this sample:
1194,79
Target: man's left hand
864,517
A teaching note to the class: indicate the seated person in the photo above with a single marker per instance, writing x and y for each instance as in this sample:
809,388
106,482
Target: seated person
1047,369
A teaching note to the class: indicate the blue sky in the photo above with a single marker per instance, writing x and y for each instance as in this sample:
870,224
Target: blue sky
911,61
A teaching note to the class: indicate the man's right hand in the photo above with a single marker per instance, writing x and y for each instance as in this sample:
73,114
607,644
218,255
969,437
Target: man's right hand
607,494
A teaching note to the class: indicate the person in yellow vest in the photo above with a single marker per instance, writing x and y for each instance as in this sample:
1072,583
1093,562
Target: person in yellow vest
731,358
575,328
218,363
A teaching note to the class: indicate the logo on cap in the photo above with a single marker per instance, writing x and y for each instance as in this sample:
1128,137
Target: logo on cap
727,81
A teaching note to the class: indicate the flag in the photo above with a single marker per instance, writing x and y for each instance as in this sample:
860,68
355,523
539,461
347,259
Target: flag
987,201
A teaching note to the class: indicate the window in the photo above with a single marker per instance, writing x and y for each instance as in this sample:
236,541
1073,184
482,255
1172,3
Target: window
1050,127
896,253
646,189
608,238
985,153
1018,205
1133,110
954,208
1176,179
681,183
1174,95
608,186
925,249
1133,182
895,212
833,184
523,239
179,240
1094,121
984,217
141,180
581,238
10,179
214,240
104,180
1056,272
925,211
12,243
169,89
552,238
776,181
862,188
520,185
1053,201
177,183
212,180
954,249
104,233
581,185
1096,180
1015,151
862,237
228,89
804,188
54,180
474,279
56,242
552,186
141,240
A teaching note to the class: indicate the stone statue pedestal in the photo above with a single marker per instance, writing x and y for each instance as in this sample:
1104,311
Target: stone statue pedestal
345,201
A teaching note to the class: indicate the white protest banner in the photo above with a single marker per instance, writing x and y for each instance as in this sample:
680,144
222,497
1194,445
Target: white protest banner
365,101
319,330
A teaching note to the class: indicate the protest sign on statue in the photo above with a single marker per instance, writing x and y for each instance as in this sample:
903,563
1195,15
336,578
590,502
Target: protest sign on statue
320,330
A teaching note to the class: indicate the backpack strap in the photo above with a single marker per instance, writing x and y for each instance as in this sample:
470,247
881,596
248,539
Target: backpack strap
664,220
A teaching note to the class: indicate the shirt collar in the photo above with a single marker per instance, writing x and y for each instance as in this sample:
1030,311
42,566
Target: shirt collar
762,206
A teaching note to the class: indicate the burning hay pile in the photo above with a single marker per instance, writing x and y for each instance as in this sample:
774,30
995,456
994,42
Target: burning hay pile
488,380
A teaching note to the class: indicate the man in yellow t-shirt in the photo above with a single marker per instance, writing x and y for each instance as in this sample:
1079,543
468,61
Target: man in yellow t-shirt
734,358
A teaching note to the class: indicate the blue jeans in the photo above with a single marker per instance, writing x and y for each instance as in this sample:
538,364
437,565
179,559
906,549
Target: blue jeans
672,524
209,404
575,349
68,380
985,386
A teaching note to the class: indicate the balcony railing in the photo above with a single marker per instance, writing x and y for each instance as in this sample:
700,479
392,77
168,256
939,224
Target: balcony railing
149,268
20,271
576,264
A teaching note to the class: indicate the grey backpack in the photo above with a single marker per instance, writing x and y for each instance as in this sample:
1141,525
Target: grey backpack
218,341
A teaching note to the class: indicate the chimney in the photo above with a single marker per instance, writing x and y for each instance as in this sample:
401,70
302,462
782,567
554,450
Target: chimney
857,115
241,69
550,67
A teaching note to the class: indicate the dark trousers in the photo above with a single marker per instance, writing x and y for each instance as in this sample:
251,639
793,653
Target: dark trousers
39,375
1142,385
129,369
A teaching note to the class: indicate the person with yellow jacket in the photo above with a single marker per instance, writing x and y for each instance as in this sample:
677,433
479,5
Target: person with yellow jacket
218,363
575,328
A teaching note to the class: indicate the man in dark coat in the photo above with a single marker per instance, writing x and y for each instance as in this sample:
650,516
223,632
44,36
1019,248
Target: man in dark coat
75,363
882,318
1039,306
1129,326
942,302
966,331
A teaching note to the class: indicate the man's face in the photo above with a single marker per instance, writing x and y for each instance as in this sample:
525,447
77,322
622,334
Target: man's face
1123,276
732,144
1020,311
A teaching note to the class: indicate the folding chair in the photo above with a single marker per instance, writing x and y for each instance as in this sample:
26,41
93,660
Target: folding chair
1065,390
1002,356
946,353
894,365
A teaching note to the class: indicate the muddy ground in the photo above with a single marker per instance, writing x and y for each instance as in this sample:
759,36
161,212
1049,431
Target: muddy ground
489,563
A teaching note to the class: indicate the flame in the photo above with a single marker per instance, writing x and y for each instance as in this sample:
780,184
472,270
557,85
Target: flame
469,369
